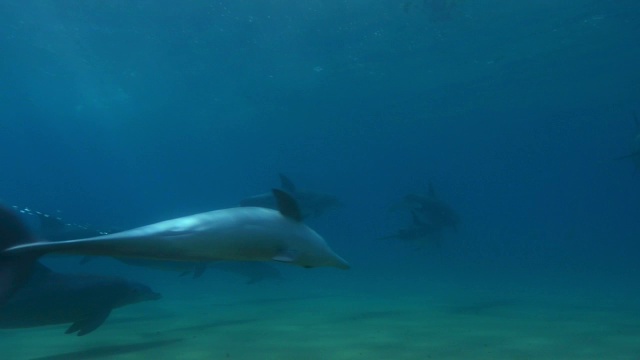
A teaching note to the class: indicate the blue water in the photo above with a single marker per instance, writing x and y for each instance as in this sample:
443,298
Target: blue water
123,113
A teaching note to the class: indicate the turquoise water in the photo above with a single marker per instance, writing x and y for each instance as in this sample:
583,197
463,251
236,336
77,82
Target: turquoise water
120,114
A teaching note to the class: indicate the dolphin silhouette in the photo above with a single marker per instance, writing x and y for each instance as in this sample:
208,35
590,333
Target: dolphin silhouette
242,233
85,301
312,204
430,211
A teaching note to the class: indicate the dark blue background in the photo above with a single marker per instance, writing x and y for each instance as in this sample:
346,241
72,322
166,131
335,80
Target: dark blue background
123,113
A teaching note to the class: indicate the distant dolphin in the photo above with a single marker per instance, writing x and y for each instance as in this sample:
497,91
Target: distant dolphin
416,232
312,204
431,211
86,301
243,234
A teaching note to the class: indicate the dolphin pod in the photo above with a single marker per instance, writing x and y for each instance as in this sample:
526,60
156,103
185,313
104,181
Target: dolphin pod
243,234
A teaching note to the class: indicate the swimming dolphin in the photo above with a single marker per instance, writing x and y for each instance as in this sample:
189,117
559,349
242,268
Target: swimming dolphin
417,231
312,204
242,234
85,301
430,211
54,228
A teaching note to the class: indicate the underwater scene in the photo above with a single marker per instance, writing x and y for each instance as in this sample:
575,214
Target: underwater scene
319,179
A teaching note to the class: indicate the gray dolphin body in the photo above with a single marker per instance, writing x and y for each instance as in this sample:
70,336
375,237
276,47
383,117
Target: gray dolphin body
242,234
416,232
85,301
312,204
429,211
430,217
54,228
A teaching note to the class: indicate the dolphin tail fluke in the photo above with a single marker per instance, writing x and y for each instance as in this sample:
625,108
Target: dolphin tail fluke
15,270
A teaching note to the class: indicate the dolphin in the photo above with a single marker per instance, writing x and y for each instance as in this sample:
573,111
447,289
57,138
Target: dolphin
416,231
241,234
430,211
85,301
54,228
312,204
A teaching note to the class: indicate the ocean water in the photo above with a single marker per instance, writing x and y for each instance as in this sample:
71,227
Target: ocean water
117,114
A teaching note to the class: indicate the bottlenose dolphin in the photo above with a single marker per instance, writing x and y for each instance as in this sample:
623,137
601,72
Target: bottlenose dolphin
242,234
54,228
312,204
417,231
85,301
430,211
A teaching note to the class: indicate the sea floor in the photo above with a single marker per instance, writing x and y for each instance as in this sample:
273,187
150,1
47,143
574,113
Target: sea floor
363,320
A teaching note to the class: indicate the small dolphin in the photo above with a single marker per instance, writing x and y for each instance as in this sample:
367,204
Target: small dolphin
85,301
415,232
431,211
312,204
242,234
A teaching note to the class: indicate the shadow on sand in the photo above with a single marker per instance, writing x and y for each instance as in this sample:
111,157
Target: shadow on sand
107,351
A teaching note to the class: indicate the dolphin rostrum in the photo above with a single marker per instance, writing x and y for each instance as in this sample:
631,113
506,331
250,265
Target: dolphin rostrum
243,233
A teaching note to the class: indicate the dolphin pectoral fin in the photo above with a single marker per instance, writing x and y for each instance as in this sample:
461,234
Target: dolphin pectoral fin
287,256
87,325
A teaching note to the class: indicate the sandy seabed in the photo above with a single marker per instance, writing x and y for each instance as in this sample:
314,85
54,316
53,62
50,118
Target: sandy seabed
345,324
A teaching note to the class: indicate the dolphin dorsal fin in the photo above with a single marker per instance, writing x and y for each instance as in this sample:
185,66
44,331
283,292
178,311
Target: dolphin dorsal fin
287,184
287,205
